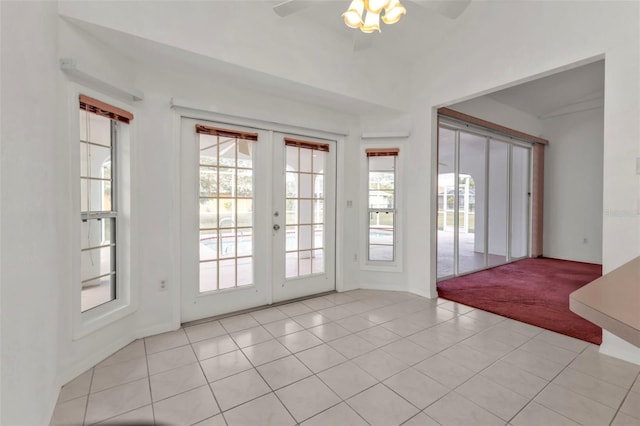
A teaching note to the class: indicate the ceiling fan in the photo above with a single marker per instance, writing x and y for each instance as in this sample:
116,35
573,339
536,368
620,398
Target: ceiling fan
449,8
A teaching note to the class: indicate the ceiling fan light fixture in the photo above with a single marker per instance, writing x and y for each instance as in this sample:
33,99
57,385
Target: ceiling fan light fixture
353,15
371,23
376,6
393,12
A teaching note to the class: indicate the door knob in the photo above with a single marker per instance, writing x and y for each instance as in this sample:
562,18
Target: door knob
276,227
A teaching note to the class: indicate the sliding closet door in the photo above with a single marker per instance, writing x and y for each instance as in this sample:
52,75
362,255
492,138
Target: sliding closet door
498,202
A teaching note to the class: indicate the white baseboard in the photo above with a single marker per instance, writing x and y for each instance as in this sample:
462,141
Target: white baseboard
156,329
615,347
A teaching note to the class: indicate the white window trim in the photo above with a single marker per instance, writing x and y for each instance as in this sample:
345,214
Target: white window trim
365,263
126,302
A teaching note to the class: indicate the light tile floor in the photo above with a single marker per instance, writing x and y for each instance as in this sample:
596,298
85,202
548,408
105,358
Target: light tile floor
357,358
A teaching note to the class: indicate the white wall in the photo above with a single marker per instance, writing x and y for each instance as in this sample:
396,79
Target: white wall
31,170
573,186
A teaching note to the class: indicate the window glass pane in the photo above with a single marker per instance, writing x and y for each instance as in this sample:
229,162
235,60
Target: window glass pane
292,238
318,236
446,201
245,183
318,211
304,237
208,182
96,262
245,271
226,213
227,273
227,179
95,161
291,265
498,201
381,253
245,212
227,243
208,245
305,160
381,236
97,292
208,150
245,241
305,211
227,153
306,188
319,158
95,232
292,158
244,153
304,263
292,185
519,201
95,128
208,213
208,276
292,212
317,261
318,186
95,195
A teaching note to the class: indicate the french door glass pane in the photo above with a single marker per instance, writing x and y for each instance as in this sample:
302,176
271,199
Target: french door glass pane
471,190
226,213
519,201
446,207
304,211
498,201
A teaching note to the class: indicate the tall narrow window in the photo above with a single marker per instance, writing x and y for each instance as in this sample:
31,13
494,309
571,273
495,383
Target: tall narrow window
382,204
98,202
226,208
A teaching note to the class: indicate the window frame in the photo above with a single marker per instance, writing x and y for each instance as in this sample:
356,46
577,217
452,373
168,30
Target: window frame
394,265
126,301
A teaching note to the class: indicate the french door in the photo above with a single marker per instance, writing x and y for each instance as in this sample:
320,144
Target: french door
258,217
484,190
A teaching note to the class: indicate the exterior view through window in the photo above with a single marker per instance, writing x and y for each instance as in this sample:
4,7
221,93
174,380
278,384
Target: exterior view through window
382,204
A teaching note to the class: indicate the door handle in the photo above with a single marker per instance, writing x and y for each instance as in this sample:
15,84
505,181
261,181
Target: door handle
276,227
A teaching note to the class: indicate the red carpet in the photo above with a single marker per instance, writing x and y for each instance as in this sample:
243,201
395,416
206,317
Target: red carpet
535,291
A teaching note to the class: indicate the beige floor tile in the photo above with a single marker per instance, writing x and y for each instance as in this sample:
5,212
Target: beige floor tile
265,316
77,387
421,419
468,357
506,334
514,378
118,374
352,346
340,414
294,309
186,408
598,390
170,359
207,330
225,365
430,317
311,319
328,332
339,298
347,379
636,385
417,388
217,420
283,372
209,348
535,414
178,380
623,419
527,330
562,341
381,406
549,351
444,371
378,336
403,327
251,336
139,416
488,346
577,407
433,339
264,411
407,351
265,352
320,358
238,322
318,303
454,409
631,405
356,307
239,388
283,327
164,341
606,368
380,364
335,312
133,350
355,323
532,363
496,399
307,398
485,317
69,412
456,308
117,400
299,341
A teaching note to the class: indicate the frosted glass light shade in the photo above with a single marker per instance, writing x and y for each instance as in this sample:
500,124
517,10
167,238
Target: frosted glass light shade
371,23
376,6
353,15
393,12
